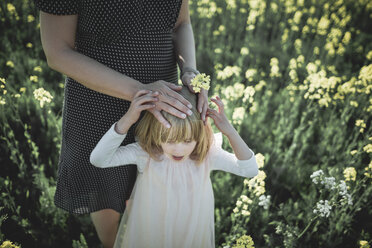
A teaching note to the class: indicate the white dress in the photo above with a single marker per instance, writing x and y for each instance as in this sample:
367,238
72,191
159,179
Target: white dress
172,203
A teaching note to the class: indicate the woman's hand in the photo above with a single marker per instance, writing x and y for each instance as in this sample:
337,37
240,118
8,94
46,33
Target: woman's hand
202,104
168,100
143,100
219,117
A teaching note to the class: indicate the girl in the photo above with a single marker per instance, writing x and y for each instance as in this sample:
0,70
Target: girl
172,203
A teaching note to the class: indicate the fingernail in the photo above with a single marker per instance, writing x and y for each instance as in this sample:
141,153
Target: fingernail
189,105
199,110
189,112
167,126
183,116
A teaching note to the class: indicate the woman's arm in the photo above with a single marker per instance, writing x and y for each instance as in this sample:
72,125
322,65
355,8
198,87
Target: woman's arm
58,39
185,50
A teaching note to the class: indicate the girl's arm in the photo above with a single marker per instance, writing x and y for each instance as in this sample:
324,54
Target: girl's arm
58,40
243,162
108,152
185,49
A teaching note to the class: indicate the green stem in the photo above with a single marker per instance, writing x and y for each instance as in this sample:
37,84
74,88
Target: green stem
307,227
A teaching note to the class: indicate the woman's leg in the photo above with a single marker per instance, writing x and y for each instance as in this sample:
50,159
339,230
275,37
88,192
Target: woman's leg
106,222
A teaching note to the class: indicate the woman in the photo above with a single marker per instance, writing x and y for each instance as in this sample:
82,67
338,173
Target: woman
110,50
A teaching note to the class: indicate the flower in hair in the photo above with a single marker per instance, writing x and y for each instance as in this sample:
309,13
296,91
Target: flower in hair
200,81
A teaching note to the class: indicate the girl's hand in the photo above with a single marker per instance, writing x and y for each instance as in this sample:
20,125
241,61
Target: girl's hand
143,100
202,104
219,117
169,101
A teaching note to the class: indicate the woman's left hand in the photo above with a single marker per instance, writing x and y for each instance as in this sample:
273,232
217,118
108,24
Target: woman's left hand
202,104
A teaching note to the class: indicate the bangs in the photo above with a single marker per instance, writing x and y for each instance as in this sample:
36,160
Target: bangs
179,132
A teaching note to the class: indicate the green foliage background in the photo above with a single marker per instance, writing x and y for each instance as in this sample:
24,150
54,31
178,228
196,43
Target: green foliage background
296,80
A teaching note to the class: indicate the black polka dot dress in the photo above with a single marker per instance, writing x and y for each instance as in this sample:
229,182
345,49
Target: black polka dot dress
133,37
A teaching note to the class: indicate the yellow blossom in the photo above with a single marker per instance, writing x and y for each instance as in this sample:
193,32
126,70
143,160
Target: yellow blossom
238,115
29,45
367,148
22,89
364,244
10,63
353,152
244,51
369,55
42,96
323,25
11,8
30,18
2,101
246,213
2,80
368,170
365,73
34,78
244,241
38,69
260,160
250,73
354,104
350,174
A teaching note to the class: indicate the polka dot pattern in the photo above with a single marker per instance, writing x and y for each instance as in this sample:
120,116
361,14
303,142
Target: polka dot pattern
131,37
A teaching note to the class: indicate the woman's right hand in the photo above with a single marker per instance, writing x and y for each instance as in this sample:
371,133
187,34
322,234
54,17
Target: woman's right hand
168,100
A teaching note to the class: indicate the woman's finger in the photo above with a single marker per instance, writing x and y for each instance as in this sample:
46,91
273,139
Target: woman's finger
146,106
146,98
141,92
184,104
171,110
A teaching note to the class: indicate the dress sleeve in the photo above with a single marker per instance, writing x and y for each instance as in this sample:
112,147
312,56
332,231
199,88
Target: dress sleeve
226,161
109,153
58,7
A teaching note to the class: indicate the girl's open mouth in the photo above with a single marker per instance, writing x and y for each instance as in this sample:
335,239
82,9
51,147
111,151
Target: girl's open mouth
178,158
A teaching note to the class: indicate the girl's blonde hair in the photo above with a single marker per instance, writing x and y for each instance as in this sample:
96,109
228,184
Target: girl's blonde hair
151,133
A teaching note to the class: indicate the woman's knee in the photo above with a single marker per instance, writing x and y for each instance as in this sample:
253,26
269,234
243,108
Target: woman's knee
106,222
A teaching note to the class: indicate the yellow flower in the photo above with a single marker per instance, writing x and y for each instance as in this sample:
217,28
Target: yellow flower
11,8
244,241
246,212
42,96
23,89
200,81
3,80
369,55
368,170
350,174
323,26
29,45
353,152
368,148
2,101
260,160
30,18
38,69
8,244
10,63
250,73
34,78
244,51
365,73
17,95
364,244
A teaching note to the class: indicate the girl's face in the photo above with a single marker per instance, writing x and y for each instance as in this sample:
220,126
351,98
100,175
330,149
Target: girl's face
179,151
